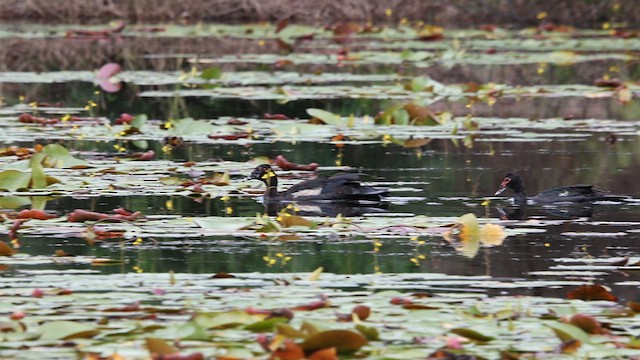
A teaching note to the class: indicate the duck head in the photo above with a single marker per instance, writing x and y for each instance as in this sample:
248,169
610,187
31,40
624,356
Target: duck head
510,181
265,174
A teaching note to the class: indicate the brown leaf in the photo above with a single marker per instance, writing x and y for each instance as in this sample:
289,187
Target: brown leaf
587,323
624,94
591,292
472,87
634,306
35,214
622,262
61,253
342,32
416,143
222,275
282,24
606,82
397,300
159,347
6,250
235,136
420,115
472,334
570,347
285,164
288,351
361,311
419,307
314,305
275,117
293,220
344,341
324,354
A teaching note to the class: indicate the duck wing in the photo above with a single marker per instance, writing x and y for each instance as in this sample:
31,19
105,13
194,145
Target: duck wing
308,189
573,193
347,187
339,187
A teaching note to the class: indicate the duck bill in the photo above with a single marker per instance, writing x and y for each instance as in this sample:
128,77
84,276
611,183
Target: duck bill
500,191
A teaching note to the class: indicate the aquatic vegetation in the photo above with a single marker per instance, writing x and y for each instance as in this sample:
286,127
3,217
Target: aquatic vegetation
129,231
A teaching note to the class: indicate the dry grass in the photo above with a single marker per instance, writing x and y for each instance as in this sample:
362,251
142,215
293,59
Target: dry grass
460,13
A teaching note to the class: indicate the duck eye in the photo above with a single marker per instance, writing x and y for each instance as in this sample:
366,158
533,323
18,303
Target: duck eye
506,181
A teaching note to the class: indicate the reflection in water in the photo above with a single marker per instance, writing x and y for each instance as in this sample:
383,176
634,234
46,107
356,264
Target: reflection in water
568,211
463,176
325,208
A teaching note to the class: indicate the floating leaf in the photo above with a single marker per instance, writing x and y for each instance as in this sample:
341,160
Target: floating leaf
225,319
370,332
591,292
294,220
587,323
324,354
13,179
289,350
6,250
58,157
327,117
361,311
492,234
571,346
62,330
315,275
192,331
138,121
211,73
159,347
416,143
472,334
189,126
266,325
567,332
345,341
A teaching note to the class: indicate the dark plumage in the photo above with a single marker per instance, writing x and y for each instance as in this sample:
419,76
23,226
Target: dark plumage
564,194
343,187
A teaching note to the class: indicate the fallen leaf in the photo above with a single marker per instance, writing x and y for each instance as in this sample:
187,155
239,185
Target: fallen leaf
345,341
6,250
591,292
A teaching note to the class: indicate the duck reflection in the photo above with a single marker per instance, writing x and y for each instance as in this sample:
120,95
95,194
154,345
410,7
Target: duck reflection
564,212
324,208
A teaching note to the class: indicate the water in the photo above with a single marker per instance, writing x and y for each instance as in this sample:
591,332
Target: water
440,179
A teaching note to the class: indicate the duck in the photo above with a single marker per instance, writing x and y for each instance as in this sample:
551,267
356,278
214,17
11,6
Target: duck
566,194
344,187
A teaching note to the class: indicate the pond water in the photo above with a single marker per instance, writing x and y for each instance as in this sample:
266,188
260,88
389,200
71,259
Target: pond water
565,132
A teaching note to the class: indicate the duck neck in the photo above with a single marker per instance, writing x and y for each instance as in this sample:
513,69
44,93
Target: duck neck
272,187
520,198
